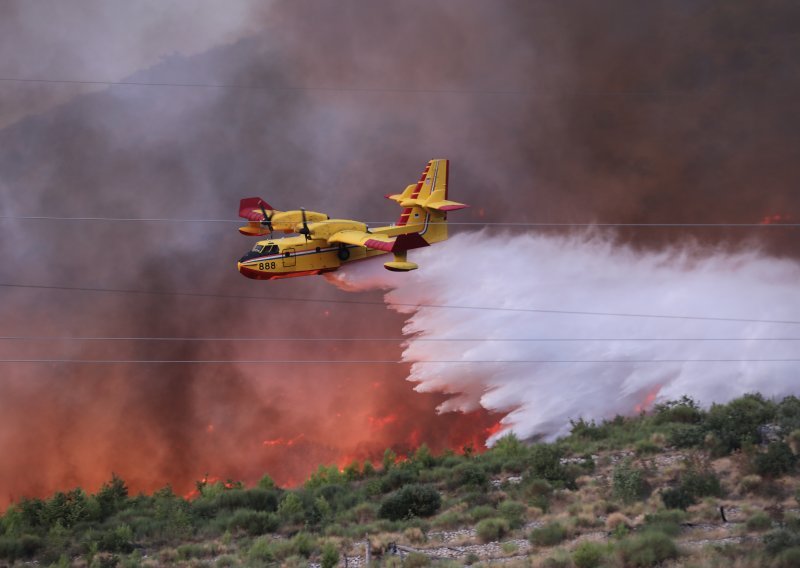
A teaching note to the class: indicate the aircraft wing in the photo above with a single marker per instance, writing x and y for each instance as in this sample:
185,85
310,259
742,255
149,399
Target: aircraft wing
379,242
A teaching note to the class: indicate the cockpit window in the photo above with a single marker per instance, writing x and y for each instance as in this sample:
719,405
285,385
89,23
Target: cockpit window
265,249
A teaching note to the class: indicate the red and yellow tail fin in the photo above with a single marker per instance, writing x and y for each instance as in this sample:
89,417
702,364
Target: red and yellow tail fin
425,204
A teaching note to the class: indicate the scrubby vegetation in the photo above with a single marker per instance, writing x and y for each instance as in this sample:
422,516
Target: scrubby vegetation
629,491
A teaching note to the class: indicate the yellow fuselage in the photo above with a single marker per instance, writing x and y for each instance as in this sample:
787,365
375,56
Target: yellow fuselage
296,256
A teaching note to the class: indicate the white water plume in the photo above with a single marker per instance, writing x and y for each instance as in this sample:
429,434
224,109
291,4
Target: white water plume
597,374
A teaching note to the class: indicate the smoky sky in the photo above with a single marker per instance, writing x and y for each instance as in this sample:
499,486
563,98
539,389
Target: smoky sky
630,112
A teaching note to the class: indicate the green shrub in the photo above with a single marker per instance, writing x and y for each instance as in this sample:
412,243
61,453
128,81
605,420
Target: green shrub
684,435
303,544
509,446
330,556
397,477
648,549
513,512
646,447
410,501
667,522
254,522
291,509
468,475
789,558
736,423
778,460
14,548
261,551
588,554
550,534
112,497
681,411
493,529
696,482
628,483
545,463
117,539
482,512
677,498
787,414
759,522
778,540
587,430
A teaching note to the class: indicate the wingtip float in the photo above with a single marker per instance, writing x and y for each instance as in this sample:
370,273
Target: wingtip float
322,244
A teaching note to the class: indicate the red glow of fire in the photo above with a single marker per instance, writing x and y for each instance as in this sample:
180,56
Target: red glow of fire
380,422
210,428
493,429
648,401
288,442
775,219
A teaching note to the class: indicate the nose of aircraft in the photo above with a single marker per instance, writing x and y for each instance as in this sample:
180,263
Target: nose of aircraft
245,270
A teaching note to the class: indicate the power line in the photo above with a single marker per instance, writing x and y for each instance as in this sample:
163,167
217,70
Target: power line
380,361
449,223
380,339
383,304
377,90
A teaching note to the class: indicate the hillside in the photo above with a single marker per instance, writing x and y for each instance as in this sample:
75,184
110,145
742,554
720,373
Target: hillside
679,486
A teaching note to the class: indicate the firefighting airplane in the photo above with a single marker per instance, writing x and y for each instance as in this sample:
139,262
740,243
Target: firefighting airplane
323,244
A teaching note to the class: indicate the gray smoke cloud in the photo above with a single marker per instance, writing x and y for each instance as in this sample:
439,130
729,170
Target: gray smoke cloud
675,111
588,273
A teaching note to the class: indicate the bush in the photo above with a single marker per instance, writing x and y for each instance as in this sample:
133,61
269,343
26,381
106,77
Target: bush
254,522
410,501
118,539
779,540
648,549
759,522
490,530
549,535
681,411
787,414
545,463
112,497
736,423
330,556
397,477
789,558
667,522
588,555
776,461
696,482
291,509
685,435
628,483
25,546
468,475
513,512
261,551
677,498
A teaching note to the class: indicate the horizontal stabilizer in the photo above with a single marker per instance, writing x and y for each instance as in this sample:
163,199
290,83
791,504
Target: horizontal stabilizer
250,208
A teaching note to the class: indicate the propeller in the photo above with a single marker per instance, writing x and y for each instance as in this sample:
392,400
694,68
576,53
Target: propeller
304,230
267,222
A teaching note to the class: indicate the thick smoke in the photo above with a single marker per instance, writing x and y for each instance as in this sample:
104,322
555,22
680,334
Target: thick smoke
588,273
674,111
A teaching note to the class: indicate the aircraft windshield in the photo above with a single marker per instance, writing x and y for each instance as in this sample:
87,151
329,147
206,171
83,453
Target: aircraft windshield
265,249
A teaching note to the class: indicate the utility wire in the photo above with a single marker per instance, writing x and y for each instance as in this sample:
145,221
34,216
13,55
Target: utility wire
294,89
380,361
383,304
449,223
380,339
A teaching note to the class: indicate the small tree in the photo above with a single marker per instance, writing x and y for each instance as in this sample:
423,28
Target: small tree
629,483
